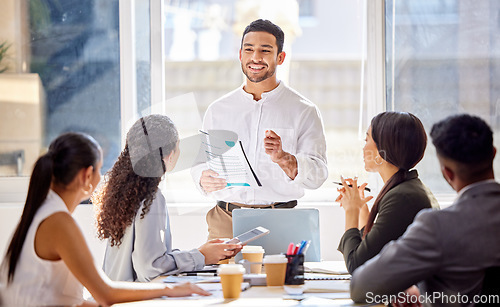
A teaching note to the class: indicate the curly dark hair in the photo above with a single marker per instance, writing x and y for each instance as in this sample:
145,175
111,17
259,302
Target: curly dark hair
134,178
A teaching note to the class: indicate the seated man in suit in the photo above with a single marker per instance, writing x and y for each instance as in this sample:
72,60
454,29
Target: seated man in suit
445,252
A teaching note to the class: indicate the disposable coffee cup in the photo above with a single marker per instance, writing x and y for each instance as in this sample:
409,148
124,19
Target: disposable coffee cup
254,254
231,277
275,266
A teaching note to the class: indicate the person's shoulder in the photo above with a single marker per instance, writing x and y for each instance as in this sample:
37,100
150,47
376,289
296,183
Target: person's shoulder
410,193
485,189
59,222
62,217
297,97
430,217
411,188
228,97
159,198
52,204
158,206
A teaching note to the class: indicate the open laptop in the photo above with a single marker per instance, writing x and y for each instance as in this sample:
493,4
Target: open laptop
285,225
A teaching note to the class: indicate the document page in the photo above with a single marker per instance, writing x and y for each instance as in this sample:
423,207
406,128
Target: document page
228,159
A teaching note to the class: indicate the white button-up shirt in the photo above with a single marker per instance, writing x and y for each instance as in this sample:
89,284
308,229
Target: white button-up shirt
295,119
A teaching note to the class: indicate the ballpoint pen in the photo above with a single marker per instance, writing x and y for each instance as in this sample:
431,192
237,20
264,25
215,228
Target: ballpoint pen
290,249
214,270
306,247
350,185
301,247
201,274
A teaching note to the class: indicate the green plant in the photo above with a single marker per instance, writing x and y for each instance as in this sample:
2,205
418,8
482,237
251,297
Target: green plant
4,47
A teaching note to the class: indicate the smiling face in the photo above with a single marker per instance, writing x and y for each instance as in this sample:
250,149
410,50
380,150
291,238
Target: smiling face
259,56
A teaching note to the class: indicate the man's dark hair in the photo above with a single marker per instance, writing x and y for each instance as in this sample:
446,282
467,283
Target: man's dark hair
465,139
262,25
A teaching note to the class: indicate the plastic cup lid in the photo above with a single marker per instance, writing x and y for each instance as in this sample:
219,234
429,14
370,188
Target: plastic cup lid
231,268
275,259
252,249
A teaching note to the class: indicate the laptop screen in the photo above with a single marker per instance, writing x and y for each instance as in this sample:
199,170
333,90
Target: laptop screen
285,225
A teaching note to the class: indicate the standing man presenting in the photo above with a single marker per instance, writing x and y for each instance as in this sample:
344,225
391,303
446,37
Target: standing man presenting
281,132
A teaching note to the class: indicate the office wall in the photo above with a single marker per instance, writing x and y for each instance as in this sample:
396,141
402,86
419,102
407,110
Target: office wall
22,103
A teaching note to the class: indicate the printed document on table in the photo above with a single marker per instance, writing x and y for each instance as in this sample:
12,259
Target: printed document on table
227,157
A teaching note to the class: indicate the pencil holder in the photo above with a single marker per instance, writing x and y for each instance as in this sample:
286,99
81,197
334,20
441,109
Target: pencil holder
295,270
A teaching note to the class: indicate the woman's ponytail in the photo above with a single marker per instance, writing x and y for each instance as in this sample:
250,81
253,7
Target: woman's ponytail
396,179
39,186
67,155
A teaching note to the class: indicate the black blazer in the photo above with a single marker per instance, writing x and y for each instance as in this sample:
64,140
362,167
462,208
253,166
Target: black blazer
397,209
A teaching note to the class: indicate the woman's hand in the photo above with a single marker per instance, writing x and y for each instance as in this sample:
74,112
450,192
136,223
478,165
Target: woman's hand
185,289
352,199
215,250
351,196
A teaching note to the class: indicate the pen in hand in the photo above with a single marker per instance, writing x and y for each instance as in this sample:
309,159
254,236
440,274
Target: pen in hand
350,185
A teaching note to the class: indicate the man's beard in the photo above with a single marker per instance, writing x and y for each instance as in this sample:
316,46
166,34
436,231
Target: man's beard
253,79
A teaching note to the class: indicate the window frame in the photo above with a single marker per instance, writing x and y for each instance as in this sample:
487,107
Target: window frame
377,93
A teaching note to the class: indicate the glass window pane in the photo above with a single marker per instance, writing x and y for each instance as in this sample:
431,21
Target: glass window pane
73,47
444,59
143,56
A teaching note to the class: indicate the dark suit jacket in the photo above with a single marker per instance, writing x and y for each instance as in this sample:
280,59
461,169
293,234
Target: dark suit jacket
397,209
446,252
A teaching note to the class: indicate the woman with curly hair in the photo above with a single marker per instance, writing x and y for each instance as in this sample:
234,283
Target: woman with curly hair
132,212
48,261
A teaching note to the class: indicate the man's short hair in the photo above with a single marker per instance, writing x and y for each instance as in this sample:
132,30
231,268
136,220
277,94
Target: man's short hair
464,138
262,25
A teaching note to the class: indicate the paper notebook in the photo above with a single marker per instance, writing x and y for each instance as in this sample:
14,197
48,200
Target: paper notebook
315,276
326,286
326,267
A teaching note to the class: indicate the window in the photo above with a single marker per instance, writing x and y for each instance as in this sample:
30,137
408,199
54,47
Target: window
73,48
442,58
73,66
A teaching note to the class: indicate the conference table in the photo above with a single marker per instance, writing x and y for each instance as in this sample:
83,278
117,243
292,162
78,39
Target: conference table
316,293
